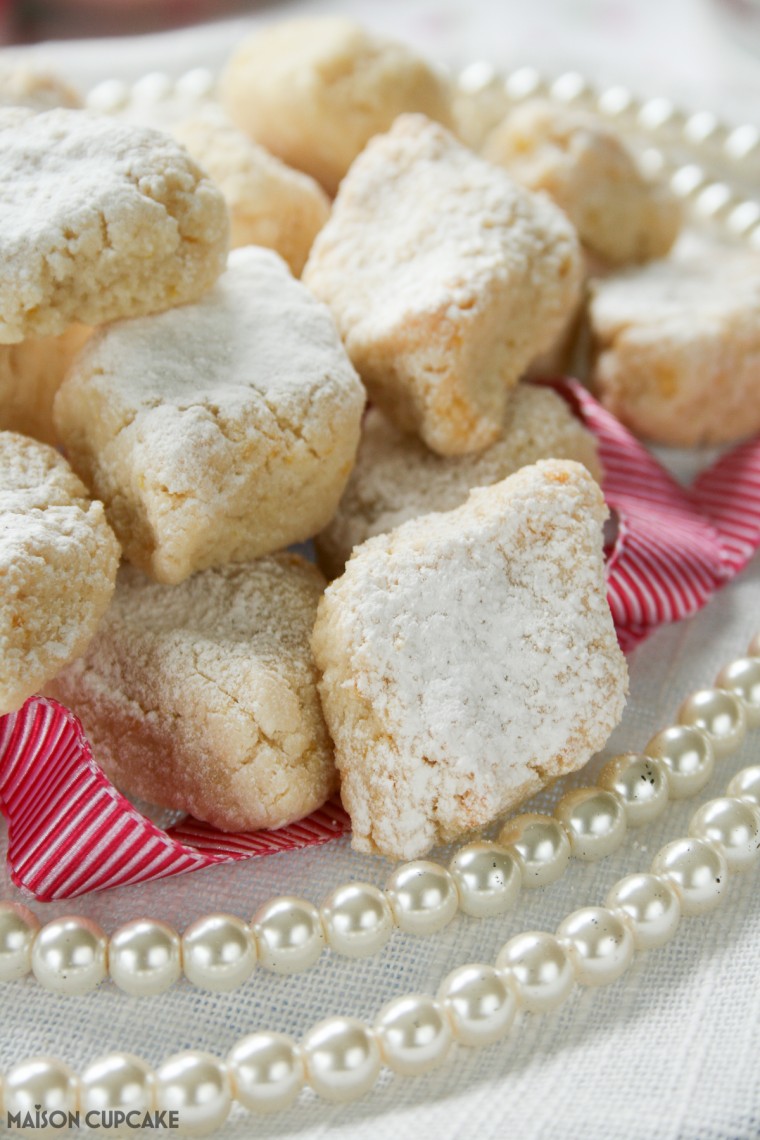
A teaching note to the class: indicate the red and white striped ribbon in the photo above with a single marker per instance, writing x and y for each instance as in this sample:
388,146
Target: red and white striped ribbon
71,832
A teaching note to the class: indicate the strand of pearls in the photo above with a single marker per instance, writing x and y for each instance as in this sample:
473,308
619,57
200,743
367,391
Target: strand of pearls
219,952
675,137
340,1058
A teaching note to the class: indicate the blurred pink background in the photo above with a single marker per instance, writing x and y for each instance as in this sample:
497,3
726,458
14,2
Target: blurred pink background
28,21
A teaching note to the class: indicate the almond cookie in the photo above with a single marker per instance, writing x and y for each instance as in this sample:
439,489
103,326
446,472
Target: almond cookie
676,346
58,562
270,204
30,375
203,697
218,431
469,658
396,478
99,219
446,279
585,166
315,91
32,87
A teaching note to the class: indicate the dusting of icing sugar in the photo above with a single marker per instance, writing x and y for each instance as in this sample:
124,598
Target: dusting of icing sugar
469,657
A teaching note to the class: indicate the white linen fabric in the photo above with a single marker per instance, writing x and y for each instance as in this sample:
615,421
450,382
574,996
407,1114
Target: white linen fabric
670,1051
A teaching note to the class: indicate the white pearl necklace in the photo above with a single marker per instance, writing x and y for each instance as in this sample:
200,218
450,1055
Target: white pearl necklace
693,149
674,136
340,1058
218,952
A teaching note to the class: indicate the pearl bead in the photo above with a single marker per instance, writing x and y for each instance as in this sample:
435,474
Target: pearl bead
742,678
541,968
218,952
266,1071
41,1084
487,878
698,871
423,897
650,904
720,715
145,957
289,935
414,1034
600,945
119,1080
357,920
640,783
746,785
18,928
69,956
541,845
196,1086
595,822
342,1058
688,756
480,1002
732,824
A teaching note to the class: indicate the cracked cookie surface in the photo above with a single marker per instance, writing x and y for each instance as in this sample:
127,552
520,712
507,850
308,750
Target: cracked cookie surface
446,279
202,697
584,165
98,220
219,431
58,562
397,478
676,345
468,658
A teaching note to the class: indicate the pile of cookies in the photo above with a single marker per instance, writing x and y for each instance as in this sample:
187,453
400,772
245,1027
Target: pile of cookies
212,408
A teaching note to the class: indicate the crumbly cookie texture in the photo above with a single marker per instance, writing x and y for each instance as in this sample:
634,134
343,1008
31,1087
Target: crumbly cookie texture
30,375
203,697
35,88
315,91
397,478
469,658
98,220
270,204
220,431
58,562
586,168
676,346
446,279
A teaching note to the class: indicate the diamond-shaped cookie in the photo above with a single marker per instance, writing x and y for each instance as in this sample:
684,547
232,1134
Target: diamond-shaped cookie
468,658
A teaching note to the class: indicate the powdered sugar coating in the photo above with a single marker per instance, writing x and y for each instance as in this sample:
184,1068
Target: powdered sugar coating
58,562
397,478
584,165
99,219
468,658
446,280
677,346
270,204
203,696
218,431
